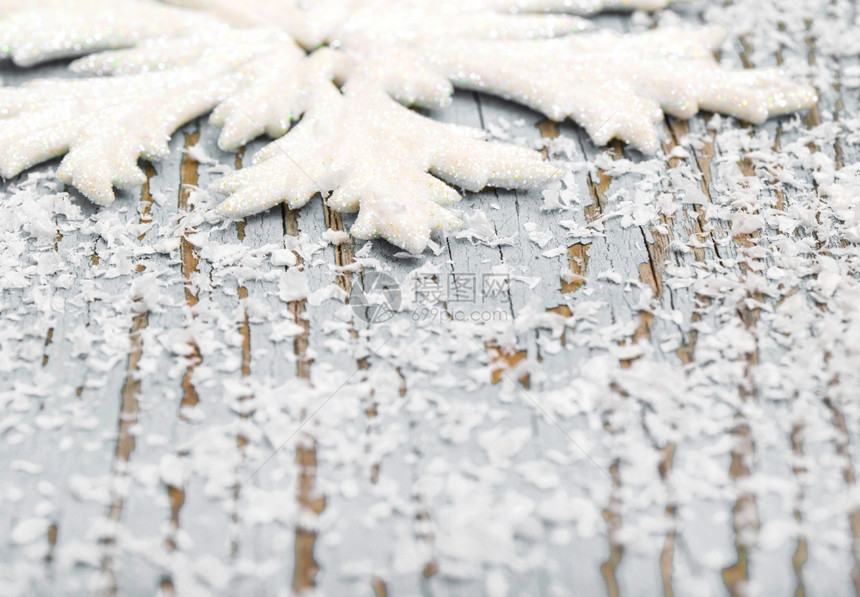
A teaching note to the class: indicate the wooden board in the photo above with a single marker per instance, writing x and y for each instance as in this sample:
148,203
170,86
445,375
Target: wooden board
661,398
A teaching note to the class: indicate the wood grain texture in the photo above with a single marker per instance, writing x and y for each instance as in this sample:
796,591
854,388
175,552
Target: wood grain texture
632,414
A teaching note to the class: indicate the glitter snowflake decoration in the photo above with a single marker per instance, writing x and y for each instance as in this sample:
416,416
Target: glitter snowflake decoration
344,73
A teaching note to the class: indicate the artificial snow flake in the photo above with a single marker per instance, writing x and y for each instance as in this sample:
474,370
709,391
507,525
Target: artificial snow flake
339,70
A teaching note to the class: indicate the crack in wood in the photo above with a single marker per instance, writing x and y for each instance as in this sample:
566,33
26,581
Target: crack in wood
176,496
125,445
612,513
423,519
667,554
308,497
146,200
744,513
656,258
649,274
843,449
306,567
344,253
745,518
344,256
645,319
188,173
245,368
49,338
677,129
612,516
548,130
53,531
801,550
128,418
577,255
298,308
565,312
800,555
189,178
505,360
424,532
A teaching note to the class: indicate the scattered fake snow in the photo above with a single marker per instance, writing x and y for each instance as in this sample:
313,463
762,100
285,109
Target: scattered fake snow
474,477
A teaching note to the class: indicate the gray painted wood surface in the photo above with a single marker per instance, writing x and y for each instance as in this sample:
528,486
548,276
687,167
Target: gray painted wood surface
676,415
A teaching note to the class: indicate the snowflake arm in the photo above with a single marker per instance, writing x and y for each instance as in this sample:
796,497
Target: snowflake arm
280,89
102,126
622,89
376,157
33,32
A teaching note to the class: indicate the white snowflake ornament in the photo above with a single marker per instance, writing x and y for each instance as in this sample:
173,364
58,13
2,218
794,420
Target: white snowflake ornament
374,156
341,69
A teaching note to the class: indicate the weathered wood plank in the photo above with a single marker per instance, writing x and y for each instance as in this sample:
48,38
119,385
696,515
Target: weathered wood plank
609,433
